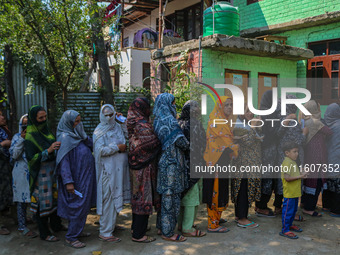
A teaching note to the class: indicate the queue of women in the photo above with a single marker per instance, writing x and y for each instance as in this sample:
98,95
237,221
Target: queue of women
65,176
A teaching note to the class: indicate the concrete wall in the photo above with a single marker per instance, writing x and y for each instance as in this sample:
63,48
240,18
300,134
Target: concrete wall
271,12
150,21
138,58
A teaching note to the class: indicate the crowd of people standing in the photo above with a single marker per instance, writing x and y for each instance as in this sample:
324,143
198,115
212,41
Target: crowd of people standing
148,165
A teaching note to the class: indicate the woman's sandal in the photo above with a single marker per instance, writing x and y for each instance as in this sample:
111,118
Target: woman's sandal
51,239
295,228
219,230
315,214
179,238
198,233
28,233
249,225
334,215
110,239
75,244
289,235
148,239
300,218
4,231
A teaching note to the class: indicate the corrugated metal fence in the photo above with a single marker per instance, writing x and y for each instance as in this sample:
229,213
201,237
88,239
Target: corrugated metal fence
88,105
20,83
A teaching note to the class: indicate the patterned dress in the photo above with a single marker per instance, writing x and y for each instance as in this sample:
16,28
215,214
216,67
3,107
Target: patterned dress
249,155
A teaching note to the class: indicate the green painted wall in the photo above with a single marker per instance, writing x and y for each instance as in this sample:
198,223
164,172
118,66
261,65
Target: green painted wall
215,63
271,12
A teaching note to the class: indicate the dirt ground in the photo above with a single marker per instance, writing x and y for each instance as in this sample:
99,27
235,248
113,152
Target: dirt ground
320,236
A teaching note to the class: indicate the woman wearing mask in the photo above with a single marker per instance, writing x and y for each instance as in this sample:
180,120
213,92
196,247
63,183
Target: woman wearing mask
40,147
112,171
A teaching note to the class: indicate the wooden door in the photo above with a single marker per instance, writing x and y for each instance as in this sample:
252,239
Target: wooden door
239,79
266,82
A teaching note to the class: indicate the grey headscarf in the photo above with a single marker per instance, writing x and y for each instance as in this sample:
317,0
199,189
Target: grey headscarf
68,136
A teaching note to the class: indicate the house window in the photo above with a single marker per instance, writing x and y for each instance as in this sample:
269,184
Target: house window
126,42
252,1
146,75
323,71
114,73
188,23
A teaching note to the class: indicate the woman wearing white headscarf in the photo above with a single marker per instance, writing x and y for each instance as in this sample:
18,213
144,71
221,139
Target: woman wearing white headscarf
76,173
20,174
113,182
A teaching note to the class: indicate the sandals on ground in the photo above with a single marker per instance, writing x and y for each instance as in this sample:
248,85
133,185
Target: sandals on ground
110,239
334,215
148,239
198,233
295,228
219,230
269,215
28,233
179,238
51,239
315,214
289,235
300,218
75,244
4,231
249,225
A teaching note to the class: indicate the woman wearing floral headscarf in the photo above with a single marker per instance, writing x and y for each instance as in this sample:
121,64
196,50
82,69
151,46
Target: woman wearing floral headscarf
172,179
40,147
332,119
76,172
144,149
315,153
112,168
220,150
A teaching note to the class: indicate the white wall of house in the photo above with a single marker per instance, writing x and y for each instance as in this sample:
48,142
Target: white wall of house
139,57
150,21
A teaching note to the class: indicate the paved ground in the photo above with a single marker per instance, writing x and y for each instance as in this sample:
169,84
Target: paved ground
320,236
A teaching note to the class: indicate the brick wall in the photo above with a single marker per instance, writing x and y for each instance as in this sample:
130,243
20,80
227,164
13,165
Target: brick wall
156,69
271,12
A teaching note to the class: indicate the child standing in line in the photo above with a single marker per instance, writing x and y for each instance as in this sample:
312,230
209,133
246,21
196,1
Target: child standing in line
291,180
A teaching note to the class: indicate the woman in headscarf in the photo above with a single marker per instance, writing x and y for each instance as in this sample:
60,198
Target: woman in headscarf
269,157
20,174
76,172
220,150
171,179
315,153
332,119
112,170
246,189
6,196
190,123
144,149
40,147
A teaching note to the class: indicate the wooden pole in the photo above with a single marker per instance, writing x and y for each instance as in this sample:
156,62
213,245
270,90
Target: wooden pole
122,29
160,25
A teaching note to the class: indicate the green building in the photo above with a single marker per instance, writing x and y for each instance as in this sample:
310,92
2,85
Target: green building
309,24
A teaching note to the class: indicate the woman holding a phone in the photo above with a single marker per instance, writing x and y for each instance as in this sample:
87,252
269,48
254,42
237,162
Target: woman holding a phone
20,174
